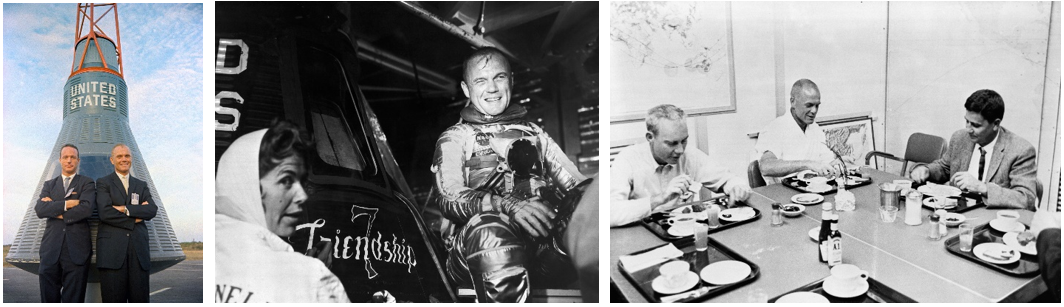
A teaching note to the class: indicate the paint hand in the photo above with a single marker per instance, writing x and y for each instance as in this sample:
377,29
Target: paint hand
322,251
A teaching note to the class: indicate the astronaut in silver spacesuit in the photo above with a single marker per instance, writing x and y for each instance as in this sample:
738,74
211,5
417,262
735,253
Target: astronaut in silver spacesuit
501,180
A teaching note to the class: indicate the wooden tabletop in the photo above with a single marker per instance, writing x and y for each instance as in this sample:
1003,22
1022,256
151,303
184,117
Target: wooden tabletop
898,255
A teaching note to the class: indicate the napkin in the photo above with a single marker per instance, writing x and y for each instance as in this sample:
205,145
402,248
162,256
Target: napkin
637,262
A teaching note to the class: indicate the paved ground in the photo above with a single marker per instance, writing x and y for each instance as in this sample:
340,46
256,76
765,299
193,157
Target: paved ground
181,283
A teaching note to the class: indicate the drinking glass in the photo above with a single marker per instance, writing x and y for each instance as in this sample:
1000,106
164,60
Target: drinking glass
887,214
713,220
701,237
967,232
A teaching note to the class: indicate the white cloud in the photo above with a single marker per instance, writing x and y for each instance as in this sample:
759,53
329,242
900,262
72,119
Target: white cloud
23,166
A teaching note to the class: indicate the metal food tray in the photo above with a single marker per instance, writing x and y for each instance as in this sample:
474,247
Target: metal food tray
1027,266
655,222
643,279
877,293
962,204
795,183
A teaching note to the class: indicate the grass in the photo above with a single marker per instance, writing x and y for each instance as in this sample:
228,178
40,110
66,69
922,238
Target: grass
193,251
7,265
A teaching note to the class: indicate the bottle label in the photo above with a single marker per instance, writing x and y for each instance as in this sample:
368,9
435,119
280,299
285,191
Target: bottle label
835,252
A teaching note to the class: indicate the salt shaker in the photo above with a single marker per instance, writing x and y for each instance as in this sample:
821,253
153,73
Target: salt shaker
934,233
777,215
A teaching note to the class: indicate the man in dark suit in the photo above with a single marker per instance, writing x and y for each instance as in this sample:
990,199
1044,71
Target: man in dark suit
986,159
124,203
66,202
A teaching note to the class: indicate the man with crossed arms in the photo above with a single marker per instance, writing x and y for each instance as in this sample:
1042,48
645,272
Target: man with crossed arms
66,201
124,203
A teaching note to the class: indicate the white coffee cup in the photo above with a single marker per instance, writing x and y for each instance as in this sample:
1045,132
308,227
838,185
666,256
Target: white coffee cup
849,276
1008,217
674,273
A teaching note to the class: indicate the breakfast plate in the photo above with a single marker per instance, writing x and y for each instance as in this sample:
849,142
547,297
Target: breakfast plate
659,284
803,297
996,253
938,203
939,190
1007,226
737,214
683,210
725,272
682,230
807,199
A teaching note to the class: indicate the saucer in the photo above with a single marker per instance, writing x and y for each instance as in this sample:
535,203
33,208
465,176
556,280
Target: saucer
1004,226
994,248
795,213
690,280
725,272
832,287
737,214
1011,241
959,219
807,199
682,230
814,234
802,297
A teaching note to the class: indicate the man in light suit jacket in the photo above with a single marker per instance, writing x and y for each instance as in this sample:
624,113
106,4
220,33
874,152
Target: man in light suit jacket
124,203
66,202
986,159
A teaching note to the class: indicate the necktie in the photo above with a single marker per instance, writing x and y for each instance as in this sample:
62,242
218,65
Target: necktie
982,162
66,183
125,183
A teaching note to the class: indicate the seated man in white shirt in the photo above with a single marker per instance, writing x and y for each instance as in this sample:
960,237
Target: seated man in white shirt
660,173
794,142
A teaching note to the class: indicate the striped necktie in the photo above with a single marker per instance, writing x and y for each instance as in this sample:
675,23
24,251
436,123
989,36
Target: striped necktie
66,183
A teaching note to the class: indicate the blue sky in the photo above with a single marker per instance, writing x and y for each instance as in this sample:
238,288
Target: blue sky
163,49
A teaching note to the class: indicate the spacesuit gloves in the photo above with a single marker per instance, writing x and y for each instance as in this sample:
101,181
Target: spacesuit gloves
509,205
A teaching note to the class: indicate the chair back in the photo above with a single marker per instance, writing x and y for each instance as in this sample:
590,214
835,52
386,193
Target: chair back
924,148
753,175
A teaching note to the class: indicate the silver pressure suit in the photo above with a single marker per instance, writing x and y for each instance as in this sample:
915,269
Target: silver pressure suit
481,171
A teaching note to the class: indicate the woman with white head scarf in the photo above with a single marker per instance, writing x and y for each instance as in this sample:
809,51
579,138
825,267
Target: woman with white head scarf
258,201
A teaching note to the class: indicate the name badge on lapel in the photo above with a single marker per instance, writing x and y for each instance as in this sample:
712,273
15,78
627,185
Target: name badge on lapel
133,198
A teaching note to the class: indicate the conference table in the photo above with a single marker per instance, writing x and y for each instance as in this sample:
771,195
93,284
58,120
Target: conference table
898,255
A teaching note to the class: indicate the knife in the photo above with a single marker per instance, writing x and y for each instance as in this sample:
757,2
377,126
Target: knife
688,295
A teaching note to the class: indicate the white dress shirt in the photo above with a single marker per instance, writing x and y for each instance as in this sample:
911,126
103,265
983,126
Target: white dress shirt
125,184
973,165
65,187
785,139
636,177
